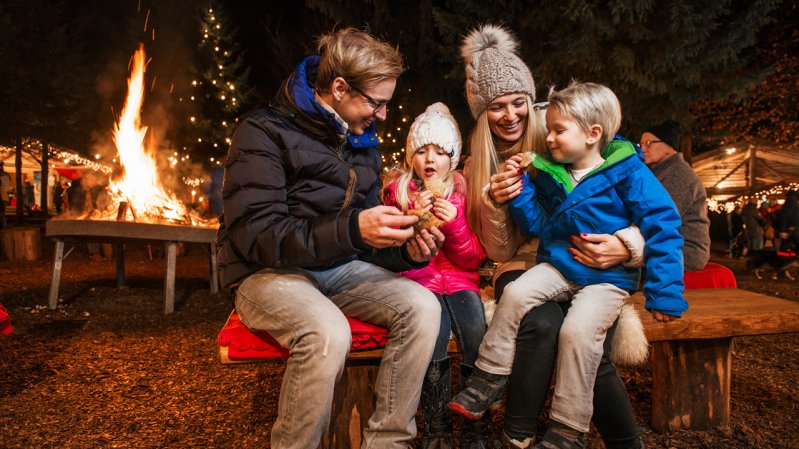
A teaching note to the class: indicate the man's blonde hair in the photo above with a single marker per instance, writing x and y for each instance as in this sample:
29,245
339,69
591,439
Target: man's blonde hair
356,56
589,104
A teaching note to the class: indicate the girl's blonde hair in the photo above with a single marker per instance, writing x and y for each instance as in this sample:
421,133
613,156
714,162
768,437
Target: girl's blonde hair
485,162
589,104
404,187
356,56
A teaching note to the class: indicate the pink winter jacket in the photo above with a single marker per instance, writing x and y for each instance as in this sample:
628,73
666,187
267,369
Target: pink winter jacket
454,268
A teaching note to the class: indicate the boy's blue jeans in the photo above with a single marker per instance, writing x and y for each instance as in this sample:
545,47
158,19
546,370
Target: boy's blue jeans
305,312
593,311
461,314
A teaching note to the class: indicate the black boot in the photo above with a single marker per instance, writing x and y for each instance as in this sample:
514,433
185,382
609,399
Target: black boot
435,397
475,434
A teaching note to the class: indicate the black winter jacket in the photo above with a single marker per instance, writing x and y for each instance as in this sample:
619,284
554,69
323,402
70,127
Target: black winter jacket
293,190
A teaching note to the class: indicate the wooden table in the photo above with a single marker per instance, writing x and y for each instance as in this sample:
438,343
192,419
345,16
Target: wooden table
119,232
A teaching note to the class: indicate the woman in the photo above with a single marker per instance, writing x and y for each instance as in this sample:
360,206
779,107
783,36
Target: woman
501,91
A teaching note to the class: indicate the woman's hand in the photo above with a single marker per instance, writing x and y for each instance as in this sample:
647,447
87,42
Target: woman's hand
444,210
507,184
425,245
599,250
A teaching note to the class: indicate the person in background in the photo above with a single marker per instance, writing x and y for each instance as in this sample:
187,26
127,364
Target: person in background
788,224
735,226
58,196
430,183
304,242
660,144
755,225
5,185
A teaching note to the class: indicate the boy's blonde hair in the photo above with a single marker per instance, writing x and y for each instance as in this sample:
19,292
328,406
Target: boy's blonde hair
484,161
589,104
356,56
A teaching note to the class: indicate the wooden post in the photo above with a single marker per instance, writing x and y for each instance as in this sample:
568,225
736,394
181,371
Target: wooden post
353,404
120,262
21,244
169,287
212,267
58,261
691,384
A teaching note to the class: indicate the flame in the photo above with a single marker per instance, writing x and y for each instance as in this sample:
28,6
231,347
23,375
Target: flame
139,185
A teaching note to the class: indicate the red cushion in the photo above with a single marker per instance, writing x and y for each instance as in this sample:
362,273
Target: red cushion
712,276
242,343
5,321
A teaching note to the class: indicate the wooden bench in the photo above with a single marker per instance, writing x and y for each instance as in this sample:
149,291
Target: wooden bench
691,362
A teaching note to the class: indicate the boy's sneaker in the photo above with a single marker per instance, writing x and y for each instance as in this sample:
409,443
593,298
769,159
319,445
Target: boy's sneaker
482,391
554,440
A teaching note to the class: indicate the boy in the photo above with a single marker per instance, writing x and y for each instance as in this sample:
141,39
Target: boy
588,183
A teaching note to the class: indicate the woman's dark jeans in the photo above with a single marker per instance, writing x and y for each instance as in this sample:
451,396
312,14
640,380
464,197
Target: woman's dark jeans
534,363
461,313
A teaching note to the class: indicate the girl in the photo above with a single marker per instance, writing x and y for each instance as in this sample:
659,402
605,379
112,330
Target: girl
430,183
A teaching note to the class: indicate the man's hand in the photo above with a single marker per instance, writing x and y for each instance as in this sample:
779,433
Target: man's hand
507,185
599,250
662,317
425,245
384,226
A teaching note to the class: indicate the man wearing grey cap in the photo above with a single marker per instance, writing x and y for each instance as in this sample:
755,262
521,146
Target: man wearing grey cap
660,144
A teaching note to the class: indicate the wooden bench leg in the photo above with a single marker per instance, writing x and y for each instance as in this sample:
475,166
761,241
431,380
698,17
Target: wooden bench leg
353,404
57,264
169,287
691,384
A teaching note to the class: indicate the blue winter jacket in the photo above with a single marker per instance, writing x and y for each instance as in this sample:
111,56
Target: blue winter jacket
620,192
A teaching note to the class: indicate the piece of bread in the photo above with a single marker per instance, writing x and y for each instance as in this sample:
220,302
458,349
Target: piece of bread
527,159
436,187
426,220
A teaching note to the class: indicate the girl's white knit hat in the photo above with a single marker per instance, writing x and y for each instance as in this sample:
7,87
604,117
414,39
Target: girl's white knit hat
435,125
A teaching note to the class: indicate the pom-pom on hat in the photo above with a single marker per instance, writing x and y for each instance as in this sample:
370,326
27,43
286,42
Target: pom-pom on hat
437,126
668,132
493,68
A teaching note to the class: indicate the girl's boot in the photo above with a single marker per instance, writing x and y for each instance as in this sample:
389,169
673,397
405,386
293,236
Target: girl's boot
435,398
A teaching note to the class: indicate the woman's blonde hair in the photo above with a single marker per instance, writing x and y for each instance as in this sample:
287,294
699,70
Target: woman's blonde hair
589,104
356,56
485,162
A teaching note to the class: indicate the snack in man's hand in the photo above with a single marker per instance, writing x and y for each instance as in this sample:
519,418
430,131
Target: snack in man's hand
426,220
527,159
436,187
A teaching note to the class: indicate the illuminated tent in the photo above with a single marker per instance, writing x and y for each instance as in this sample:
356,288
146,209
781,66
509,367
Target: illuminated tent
746,167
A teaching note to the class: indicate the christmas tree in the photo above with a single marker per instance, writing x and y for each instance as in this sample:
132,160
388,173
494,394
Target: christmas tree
219,91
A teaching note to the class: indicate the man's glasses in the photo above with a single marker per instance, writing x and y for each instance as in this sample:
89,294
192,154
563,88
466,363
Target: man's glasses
649,143
374,104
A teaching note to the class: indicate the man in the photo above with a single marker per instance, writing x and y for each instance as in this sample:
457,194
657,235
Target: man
302,234
660,145
5,185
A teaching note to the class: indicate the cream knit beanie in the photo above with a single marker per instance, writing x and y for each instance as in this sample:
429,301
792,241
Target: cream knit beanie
493,68
437,126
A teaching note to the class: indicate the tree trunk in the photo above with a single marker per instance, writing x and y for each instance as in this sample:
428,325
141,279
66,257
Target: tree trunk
19,191
45,175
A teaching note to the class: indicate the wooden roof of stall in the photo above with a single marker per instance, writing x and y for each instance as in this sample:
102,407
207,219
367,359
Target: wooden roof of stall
746,167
